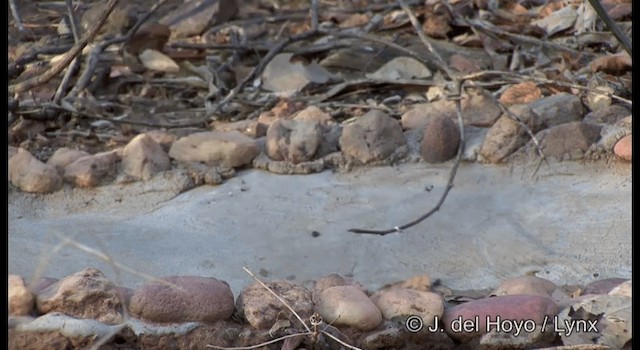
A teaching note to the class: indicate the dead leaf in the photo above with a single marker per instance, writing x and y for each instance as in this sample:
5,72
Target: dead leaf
286,74
551,7
401,68
521,93
436,21
612,64
463,64
155,60
558,21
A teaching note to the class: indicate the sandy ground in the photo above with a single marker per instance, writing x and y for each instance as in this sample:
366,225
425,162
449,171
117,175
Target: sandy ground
571,223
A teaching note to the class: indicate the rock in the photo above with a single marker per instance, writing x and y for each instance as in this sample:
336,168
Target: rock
530,338
503,138
420,114
441,140
183,299
603,286
31,175
532,285
228,149
332,280
194,16
262,309
410,302
293,140
371,137
150,36
288,168
21,300
142,158
92,170
479,109
608,115
384,339
42,283
521,93
65,156
566,138
330,140
203,174
85,294
348,306
314,114
472,316
611,134
623,149
251,128
163,138
473,140
555,110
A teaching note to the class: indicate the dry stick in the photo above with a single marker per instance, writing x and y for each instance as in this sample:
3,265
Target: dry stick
314,15
15,12
458,92
68,57
613,27
74,64
260,67
92,61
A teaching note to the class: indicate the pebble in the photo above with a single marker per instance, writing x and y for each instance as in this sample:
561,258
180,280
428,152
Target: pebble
623,148
372,137
21,300
348,306
441,140
229,149
31,175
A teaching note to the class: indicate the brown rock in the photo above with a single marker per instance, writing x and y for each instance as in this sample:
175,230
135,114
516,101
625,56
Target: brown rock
21,300
85,294
520,308
623,149
183,299
262,309
65,156
566,138
531,285
410,302
418,116
348,306
332,280
31,175
93,170
418,282
142,158
441,140
521,93
505,136
293,140
373,136
229,149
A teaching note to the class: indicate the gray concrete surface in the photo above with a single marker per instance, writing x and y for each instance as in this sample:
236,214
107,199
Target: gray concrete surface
571,223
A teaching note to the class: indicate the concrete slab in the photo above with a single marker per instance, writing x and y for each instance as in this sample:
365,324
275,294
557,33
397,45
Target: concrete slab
571,223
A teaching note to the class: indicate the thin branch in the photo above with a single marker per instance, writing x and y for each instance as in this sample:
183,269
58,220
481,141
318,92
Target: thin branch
314,15
457,95
64,84
613,27
15,12
92,61
68,57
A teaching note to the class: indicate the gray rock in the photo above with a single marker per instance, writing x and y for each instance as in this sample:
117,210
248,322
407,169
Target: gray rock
371,137
31,175
441,140
228,149
142,158
295,141
65,156
92,170
85,294
566,138
262,309
555,110
21,300
608,115
183,299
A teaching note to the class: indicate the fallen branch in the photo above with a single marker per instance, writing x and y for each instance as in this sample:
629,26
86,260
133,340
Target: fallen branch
68,57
